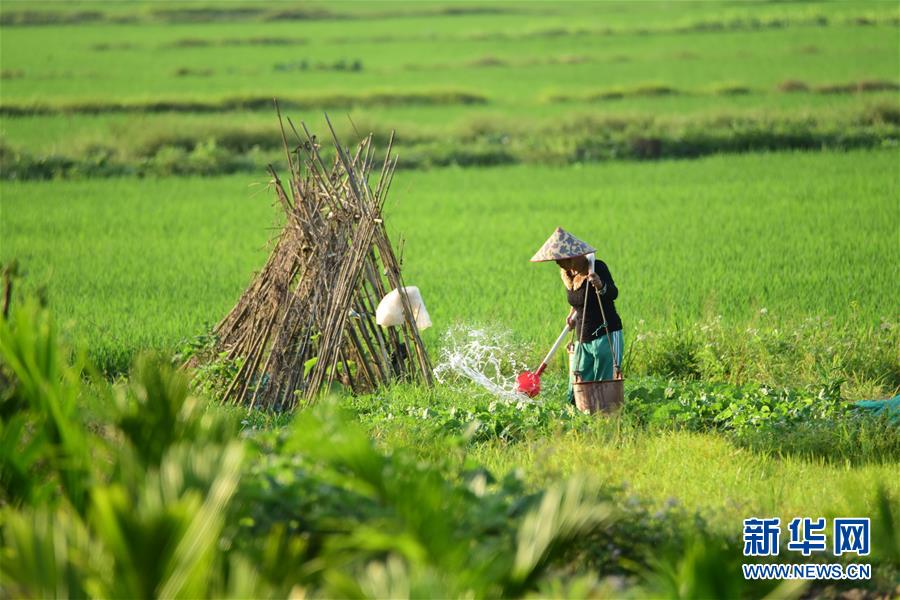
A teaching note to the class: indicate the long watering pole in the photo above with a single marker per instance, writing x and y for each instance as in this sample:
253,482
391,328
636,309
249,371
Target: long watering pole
556,345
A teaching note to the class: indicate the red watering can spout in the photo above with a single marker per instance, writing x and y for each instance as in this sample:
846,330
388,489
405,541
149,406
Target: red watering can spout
528,382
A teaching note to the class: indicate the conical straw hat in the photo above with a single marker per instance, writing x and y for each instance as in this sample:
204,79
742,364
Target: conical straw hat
560,245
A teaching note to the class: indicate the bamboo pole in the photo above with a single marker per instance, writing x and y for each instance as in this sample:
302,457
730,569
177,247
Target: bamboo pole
332,254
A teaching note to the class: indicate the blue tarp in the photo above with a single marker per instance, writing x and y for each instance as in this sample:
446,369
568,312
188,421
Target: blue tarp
889,407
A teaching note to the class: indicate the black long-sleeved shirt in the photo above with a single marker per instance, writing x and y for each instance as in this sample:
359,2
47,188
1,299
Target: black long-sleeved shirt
593,321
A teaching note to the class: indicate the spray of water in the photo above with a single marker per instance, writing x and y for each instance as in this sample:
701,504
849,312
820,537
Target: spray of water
483,356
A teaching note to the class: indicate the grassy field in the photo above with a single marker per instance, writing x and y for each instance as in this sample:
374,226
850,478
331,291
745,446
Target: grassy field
151,263
469,87
757,287
113,61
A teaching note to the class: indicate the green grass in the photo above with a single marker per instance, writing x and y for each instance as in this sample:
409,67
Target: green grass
74,71
147,263
703,472
539,48
704,235
125,257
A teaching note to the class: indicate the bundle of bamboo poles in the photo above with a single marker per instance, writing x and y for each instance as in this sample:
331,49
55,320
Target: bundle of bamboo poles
307,320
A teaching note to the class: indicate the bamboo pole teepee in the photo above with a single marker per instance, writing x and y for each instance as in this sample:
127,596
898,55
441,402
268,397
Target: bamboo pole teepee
307,318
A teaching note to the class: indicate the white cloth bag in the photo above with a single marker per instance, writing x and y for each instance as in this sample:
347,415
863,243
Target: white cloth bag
390,309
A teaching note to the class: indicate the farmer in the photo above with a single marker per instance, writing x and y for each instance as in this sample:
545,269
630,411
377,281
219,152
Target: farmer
592,358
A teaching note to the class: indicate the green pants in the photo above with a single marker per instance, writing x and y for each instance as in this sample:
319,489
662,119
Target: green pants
594,360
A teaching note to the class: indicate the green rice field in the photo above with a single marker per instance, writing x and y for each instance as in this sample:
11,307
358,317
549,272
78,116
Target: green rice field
734,163
139,264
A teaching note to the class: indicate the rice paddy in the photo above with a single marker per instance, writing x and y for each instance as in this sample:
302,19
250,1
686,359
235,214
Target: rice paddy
734,164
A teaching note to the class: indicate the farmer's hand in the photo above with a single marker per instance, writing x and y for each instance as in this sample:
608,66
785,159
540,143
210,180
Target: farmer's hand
570,321
595,281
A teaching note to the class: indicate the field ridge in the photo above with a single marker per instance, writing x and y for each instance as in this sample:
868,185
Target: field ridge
224,149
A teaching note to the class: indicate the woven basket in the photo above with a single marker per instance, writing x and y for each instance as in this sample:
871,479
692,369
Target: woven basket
604,397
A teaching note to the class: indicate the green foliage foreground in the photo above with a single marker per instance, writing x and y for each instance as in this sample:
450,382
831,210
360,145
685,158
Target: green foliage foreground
143,490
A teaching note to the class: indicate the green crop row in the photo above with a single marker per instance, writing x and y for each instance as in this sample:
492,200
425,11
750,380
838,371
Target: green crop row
247,103
225,149
389,99
812,423
727,89
140,135
174,13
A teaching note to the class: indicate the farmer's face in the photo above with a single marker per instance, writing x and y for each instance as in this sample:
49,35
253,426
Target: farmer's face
579,263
